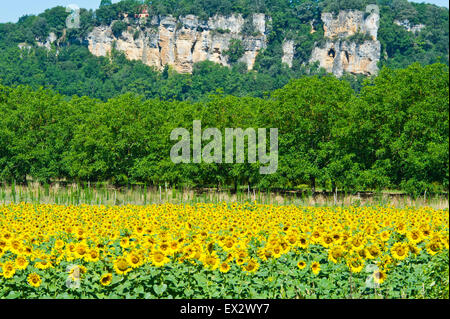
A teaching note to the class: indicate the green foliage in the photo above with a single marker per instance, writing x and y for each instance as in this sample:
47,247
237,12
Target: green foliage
106,14
359,38
393,134
118,27
436,273
235,51
335,6
403,125
400,47
248,29
105,3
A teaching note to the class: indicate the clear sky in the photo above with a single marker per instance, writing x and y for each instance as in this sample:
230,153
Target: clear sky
12,10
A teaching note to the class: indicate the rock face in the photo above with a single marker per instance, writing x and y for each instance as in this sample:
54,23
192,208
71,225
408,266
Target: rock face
351,43
48,42
349,23
414,28
345,56
288,52
182,42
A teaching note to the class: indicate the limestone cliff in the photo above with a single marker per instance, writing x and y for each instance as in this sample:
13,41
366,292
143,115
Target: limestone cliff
182,42
351,43
288,52
414,28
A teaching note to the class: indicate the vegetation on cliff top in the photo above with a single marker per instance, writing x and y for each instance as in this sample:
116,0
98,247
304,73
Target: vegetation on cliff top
71,69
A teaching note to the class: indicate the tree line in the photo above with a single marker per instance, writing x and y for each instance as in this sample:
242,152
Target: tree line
392,134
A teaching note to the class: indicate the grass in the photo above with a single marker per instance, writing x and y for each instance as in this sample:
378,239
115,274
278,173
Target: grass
103,194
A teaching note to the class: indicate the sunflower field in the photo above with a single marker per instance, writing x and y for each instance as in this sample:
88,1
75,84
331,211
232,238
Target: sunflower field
222,250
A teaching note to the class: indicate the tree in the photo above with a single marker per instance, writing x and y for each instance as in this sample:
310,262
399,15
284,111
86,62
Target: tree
118,27
306,110
401,129
105,3
235,51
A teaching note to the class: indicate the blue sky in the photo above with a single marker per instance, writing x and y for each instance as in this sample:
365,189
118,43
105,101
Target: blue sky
12,10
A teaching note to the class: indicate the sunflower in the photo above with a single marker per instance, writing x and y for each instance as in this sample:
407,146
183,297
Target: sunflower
15,247
285,247
135,260
373,251
76,272
21,262
59,244
125,242
337,238
433,247
315,236
444,240
34,280
159,259
357,243
189,252
414,236
379,276
301,264
165,248
121,266
81,249
139,230
385,262
355,264
385,235
399,251
302,242
93,255
4,244
292,239
228,244
315,267
426,231
8,269
401,228
264,253
7,235
211,262
335,253
240,261
174,247
224,267
106,279
241,253
252,266
362,253
327,240
277,251
43,264
414,249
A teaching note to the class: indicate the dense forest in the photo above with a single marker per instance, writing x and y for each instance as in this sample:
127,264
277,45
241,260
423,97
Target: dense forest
391,134
70,69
